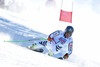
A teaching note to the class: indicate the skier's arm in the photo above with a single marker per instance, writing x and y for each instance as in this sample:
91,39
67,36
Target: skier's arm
54,34
70,47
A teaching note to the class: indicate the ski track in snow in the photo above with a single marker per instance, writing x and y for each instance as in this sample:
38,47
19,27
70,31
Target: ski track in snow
16,56
19,32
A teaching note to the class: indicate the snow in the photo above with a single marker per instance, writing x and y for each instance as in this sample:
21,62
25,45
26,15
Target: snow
11,54
19,25
16,56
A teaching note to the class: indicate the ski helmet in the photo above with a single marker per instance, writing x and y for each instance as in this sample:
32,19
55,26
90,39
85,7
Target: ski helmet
69,29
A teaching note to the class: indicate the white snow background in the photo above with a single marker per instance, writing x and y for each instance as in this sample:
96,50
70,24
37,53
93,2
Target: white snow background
23,20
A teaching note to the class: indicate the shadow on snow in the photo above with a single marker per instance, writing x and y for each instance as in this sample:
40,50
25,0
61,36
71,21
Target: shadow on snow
18,33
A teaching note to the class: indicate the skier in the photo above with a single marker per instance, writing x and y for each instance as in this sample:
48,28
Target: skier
60,44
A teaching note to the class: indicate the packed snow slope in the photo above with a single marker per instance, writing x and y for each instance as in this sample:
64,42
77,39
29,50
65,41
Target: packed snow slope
15,54
12,55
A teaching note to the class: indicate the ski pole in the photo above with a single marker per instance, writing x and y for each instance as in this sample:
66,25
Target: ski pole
15,40
37,39
25,40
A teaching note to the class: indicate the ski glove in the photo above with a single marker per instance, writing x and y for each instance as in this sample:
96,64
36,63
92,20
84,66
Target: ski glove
66,56
50,39
44,43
